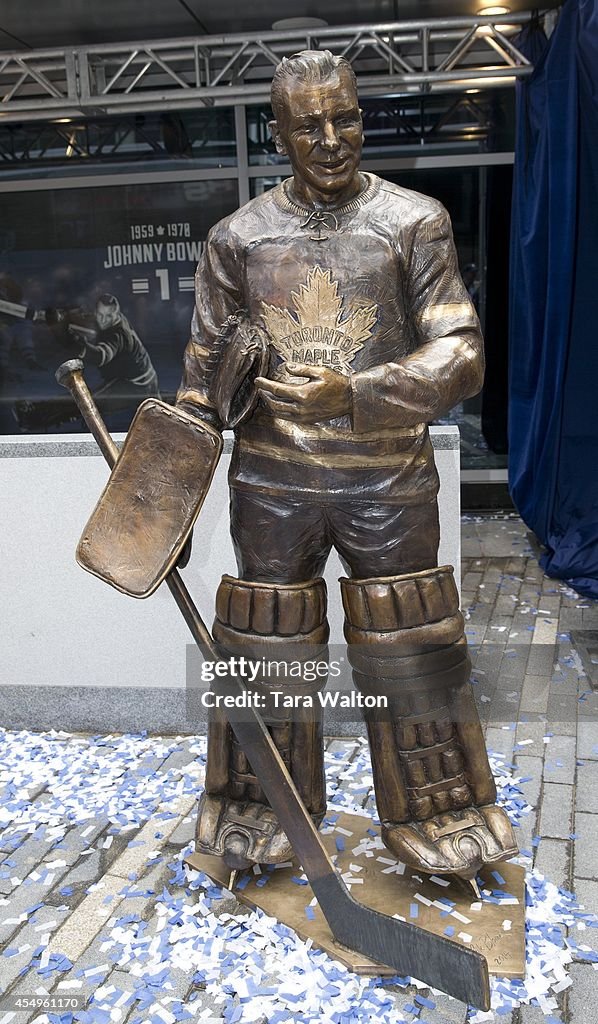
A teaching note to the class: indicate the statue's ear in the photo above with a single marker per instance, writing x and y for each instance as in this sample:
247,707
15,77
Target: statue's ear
277,137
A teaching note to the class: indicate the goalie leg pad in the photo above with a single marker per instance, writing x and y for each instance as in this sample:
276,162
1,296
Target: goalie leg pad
275,626
434,788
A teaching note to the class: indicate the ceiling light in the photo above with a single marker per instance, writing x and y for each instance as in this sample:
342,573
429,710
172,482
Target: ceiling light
289,24
493,12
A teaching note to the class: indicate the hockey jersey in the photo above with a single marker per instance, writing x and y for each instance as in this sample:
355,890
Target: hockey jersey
371,289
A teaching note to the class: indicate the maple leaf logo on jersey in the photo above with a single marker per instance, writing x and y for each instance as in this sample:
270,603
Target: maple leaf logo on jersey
315,332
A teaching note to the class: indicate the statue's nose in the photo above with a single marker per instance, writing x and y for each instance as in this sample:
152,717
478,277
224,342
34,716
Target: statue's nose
330,138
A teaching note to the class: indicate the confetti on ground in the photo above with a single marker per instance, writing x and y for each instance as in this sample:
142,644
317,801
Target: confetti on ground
191,954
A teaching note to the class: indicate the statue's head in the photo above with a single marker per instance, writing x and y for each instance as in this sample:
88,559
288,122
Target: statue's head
318,121
108,312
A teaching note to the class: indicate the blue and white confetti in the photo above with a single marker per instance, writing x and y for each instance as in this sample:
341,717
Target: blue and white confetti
184,949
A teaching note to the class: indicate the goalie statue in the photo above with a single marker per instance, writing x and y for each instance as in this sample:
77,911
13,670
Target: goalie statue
331,326
353,284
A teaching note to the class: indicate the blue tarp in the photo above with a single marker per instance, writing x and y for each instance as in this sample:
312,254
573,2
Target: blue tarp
553,405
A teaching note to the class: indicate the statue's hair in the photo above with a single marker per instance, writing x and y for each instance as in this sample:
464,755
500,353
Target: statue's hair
306,66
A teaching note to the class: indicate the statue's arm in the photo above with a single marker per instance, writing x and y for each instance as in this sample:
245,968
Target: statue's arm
217,295
447,364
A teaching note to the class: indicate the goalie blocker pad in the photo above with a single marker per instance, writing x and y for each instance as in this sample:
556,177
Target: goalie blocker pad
146,512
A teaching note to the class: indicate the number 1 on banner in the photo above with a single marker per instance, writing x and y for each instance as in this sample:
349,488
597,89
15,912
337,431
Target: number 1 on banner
162,276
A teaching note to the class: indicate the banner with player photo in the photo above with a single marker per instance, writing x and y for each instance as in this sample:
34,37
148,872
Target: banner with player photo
104,274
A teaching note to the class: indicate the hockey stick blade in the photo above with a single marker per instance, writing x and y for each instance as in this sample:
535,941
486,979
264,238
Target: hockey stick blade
410,950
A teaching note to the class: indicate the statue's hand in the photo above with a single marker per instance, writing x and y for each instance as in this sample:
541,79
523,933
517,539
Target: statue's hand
326,394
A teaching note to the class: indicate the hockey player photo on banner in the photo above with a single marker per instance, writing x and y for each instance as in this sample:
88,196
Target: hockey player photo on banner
105,275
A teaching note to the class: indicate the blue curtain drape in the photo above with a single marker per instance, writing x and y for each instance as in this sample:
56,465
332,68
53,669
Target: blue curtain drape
553,335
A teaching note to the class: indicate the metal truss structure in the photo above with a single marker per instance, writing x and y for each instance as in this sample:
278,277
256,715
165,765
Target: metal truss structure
407,123
392,57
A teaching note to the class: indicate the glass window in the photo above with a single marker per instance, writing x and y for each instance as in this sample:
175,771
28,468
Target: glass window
164,140
133,248
481,239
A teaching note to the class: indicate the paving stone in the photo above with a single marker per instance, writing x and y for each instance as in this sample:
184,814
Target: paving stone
534,695
525,830
145,890
542,654
561,713
557,807
25,896
178,759
24,847
499,629
74,843
91,958
198,1001
500,741
184,833
553,859
471,580
29,984
122,982
516,565
589,616
513,668
567,676
586,794
475,633
503,710
587,740
530,766
480,611
447,1010
134,858
583,1005
587,708
347,747
471,546
87,870
519,637
559,762
587,894
570,618
148,766
88,919
585,861
179,984
531,1015
566,681
44,921
534,729
487,663
505,605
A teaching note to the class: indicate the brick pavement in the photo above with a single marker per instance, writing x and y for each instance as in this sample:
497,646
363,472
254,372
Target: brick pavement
537,710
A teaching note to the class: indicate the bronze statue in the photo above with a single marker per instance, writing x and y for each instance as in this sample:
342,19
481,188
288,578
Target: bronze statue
331,326
353,285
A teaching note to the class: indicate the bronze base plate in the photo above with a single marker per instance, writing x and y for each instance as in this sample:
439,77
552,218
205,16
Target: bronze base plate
497,930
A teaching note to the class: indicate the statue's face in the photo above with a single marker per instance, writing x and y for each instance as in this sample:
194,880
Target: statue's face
321,132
